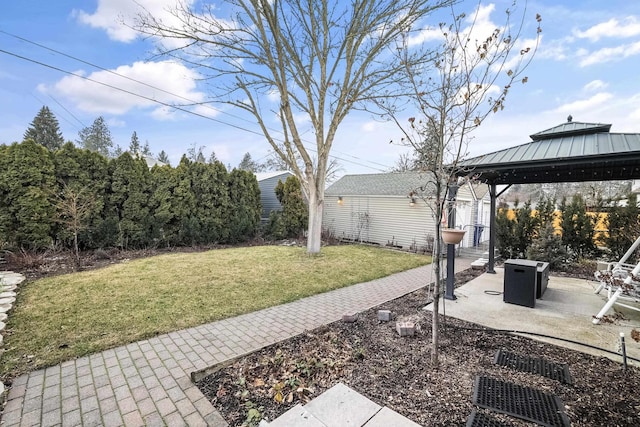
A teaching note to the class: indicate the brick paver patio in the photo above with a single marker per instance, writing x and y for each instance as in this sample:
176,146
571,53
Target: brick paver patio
148,382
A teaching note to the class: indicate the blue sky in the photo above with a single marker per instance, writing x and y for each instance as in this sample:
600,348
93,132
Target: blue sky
588,65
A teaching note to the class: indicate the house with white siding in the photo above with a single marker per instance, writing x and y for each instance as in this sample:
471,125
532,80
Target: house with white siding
391,209
267,182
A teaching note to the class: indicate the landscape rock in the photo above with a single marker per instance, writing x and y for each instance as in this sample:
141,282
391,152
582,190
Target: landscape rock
5,301
406,329
384,315
349,317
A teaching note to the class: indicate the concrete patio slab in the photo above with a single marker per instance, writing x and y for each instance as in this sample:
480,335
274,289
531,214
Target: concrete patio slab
341,406
386,417
297,416
564,311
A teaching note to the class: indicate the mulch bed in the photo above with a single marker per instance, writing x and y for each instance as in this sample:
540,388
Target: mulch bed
370,357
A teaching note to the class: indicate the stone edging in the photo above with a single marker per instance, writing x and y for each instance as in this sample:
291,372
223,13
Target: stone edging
9,282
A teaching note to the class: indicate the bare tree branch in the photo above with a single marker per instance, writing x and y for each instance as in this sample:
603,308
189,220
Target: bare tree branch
321,59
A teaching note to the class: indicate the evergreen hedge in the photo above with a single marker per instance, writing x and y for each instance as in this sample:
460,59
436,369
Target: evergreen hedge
123,203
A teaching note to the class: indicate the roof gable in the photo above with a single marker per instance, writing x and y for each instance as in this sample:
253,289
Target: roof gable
570,128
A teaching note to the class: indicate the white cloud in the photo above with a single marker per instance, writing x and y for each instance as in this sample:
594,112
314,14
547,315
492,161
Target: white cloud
608,54
118,16
595,85
553,49
169,76
273,95
164,113
585,105
424,36
369,126
629,27
116,123
206,110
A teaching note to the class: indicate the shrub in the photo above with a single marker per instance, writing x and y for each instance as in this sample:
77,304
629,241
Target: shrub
548,247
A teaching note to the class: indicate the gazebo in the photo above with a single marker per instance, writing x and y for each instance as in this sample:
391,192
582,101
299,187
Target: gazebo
569,152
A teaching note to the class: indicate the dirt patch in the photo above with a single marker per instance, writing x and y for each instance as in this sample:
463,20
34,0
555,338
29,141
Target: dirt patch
371,358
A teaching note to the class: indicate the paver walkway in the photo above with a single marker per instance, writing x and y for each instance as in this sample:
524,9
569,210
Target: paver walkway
147,382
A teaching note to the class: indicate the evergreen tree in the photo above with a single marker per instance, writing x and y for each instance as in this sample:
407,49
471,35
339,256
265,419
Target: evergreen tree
505,229
146,150
97,137
85,174
134,145
212,157
578,228
45,130
164,205
209,184
546,210
185,204
129,198
244,197
526,227
247,164
27,185
295,215
548,247
195,154
623,224
164,157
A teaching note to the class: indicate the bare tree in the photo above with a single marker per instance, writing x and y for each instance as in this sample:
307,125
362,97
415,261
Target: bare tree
318,59
74,207
470,80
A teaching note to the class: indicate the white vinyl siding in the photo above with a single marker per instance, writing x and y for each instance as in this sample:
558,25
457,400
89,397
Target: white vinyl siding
391,220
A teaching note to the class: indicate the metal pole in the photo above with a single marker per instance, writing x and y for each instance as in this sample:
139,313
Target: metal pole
624,350
451,254
492,230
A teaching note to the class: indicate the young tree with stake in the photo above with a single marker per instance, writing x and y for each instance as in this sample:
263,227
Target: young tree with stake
470,79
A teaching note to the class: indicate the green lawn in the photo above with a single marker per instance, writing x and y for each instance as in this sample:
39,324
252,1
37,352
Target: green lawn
67,316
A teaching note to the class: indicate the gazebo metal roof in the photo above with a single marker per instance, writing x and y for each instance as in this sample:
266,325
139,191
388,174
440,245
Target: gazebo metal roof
569,152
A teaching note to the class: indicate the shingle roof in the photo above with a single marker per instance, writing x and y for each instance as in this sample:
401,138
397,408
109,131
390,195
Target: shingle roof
380,184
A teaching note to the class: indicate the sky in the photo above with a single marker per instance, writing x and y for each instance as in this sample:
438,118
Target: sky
587,66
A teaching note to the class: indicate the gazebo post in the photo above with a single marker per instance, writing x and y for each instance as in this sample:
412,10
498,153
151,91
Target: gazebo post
492,229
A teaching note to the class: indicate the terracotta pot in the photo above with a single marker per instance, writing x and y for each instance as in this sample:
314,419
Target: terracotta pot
452,236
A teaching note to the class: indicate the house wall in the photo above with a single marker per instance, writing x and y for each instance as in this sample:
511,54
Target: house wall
392,220
268,197
378,219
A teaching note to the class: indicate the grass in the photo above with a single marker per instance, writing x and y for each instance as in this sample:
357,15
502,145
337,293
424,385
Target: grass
63,317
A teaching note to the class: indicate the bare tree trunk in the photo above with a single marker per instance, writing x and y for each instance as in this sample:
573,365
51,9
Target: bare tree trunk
435,321
316,205
76,250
